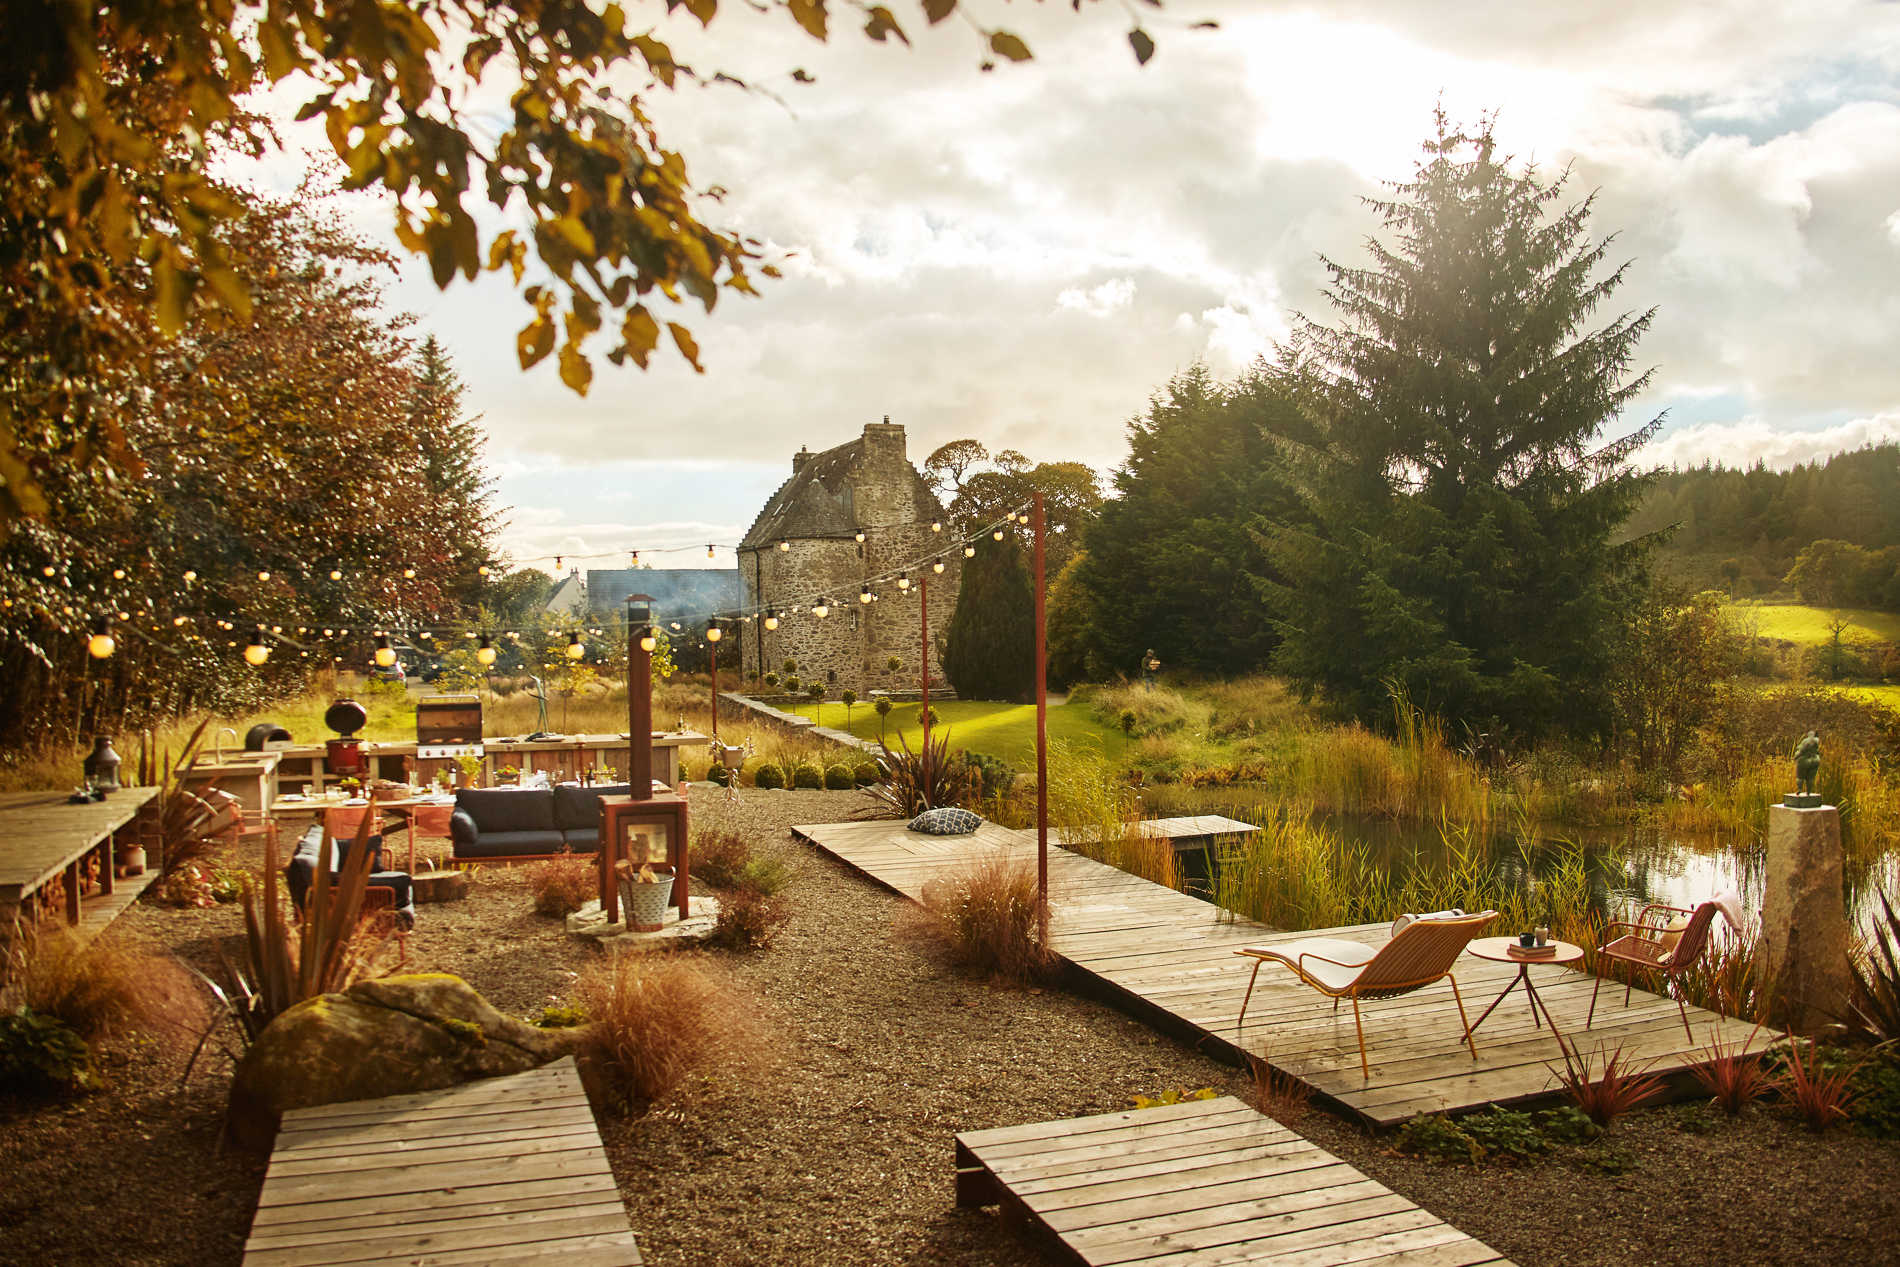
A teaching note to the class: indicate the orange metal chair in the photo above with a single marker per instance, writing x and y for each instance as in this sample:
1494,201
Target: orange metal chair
1422,952
1670,945
341,821
427,820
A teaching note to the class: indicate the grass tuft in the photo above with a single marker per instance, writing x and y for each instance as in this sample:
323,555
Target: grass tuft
564,883
656,1023
986,911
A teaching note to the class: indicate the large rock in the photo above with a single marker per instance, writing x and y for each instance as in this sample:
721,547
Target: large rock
393,1036
1804,917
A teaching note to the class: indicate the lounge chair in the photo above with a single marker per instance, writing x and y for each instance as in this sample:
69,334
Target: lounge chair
1665,939
1420,953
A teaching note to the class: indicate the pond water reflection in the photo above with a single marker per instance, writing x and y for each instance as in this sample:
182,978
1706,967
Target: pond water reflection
1641,864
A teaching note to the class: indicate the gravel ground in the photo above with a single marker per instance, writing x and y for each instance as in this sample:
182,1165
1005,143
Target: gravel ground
831,1144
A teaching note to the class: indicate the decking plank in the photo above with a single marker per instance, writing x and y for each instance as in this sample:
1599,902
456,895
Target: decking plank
1282,1201
497,1171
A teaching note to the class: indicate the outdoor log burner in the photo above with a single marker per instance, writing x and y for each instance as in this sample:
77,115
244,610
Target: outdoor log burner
649,824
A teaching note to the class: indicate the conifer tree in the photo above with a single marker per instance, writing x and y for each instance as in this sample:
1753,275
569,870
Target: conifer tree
990,649
1463,503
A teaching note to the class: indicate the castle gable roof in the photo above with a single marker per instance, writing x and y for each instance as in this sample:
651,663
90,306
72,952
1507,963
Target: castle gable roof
813,503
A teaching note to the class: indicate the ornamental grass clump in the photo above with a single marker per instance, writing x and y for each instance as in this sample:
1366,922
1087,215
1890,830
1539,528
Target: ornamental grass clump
563,884
1733,1076
102,991
656,1024
986,912
1610,1094
1821,1090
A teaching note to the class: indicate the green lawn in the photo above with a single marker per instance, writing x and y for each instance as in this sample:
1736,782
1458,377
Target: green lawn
1000,730
1796,622
1887,696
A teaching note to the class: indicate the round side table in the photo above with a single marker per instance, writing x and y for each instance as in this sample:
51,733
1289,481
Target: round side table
1499,949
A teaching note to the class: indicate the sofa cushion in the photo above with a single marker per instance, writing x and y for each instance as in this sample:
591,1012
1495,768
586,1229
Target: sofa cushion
510,844
462,828
582,839
301,871
507,809
576,807
947,820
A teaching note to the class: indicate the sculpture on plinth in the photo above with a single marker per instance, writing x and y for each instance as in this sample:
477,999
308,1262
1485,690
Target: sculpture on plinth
1807,767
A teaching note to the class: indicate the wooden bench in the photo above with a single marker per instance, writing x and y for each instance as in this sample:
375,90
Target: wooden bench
501,1170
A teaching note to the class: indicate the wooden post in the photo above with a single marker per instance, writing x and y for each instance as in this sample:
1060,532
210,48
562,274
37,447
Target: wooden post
923,646
714,648
639,701
1042,739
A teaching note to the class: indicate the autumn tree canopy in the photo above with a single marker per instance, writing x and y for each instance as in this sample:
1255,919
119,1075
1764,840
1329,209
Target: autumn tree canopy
109,215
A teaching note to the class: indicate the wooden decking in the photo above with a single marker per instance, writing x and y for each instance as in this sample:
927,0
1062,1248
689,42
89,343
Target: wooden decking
503,1170
1169,958
1195,831
1191,1185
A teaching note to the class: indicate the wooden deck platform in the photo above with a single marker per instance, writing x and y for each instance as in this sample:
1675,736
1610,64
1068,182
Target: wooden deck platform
1196,1184
1195,831
1169,958
502,1170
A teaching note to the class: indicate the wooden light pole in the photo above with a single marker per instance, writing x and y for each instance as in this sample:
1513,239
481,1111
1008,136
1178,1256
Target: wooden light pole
923,658
1042,737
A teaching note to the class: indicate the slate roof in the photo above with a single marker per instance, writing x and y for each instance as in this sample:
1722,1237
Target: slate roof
815,502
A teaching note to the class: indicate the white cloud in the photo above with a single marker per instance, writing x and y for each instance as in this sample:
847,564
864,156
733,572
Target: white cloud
1747,152
1099,301
1741,444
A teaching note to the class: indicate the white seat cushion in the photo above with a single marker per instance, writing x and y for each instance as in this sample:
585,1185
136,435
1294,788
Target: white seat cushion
1351,956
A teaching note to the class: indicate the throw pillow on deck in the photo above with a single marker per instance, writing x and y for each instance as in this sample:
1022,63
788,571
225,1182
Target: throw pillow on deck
946,821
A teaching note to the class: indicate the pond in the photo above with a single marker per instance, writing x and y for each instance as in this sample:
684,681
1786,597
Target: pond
1641,864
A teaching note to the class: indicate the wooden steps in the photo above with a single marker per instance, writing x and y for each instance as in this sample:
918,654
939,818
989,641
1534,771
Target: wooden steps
1169,957
502,1170
1198,1184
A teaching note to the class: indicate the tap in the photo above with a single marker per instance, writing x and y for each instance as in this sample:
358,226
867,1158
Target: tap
217,743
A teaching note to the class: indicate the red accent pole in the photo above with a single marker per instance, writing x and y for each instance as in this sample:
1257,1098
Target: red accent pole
1042,740
923,642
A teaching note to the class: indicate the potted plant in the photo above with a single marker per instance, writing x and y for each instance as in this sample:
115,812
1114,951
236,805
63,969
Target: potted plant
644,894
508,775
471,767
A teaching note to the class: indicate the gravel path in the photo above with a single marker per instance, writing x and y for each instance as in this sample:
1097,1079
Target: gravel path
832,1144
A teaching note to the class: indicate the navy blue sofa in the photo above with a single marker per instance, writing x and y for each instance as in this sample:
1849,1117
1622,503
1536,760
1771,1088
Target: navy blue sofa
512,823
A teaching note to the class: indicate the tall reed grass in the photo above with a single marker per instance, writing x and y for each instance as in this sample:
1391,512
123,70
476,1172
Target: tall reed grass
1099,815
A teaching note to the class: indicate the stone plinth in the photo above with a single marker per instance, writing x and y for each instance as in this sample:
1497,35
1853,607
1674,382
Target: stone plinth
1804,917
591,921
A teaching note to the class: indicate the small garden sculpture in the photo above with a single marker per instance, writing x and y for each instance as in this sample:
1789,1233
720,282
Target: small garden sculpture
1807,767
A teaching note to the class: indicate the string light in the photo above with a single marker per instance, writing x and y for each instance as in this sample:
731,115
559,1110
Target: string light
49,569
575,647
821,608
936,525
864,593
633,558
860,536
263,576
118,574
483,569
903,582
771,620
180,620
783,546
969,551
713,632
648,642
385,654
408,574
997,535
335,575
709,550
190,576
936,565
485,654
256,651
101,644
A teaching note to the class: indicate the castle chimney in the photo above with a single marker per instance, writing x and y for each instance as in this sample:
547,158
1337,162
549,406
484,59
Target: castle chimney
800,458
885,436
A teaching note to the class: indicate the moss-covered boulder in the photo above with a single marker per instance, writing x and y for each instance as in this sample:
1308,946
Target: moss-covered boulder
393,1036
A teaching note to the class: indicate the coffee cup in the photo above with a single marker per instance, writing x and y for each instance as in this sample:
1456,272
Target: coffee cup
1527,940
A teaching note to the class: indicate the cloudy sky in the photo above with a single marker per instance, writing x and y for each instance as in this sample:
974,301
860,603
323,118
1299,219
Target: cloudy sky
1025,256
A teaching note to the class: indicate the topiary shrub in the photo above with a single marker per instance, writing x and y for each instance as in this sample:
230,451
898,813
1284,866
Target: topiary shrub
866,773
791,684
993,775
838,777
768,776
807,775
717,773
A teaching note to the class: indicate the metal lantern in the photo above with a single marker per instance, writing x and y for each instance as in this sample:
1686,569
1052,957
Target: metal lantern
102,765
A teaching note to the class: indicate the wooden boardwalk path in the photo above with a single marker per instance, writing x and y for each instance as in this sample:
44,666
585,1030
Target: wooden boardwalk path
1191,1185
1169,957
502,1170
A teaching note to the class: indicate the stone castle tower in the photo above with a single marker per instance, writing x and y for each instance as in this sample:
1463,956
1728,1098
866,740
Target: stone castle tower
851,512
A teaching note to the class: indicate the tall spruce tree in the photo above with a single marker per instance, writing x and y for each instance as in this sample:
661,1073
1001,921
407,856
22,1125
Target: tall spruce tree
459,486
990,649
1463,505
1168,562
